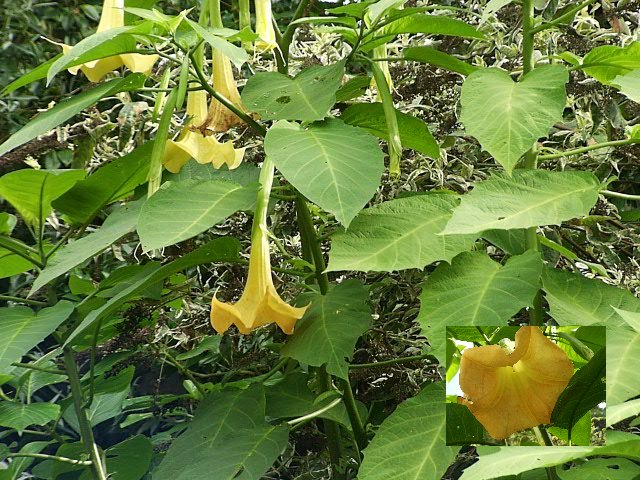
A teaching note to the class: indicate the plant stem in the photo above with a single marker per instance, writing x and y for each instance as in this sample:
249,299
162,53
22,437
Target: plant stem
99,471
331,430
20,249
315,414
38,369
354,416
561,19
578,151
285,41
57,458
27,301
625,196
391,361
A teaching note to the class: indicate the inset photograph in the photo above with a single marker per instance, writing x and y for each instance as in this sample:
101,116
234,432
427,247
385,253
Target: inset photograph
525,386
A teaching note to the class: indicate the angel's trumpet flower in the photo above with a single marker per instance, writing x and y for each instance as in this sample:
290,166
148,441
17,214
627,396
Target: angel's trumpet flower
510,392
260,303
220,118
195,143
112,17
264,26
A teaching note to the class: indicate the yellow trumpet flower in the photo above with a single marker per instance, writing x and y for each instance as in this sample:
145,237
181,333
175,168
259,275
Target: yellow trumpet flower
195,143
220,118
112,17
264,26
510,392
260,303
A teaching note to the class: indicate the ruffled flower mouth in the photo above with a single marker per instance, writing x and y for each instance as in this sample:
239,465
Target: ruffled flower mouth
510,392
112,17
260,303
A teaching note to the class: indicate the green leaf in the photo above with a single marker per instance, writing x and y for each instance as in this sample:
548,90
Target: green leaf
462,426
512,242
354,88
328,332
179,211
335,165
623,375
585,391
607,62
439,59
511,461
236,54
307,97
19,416
492,7
410,443
621,411
130,459
521,112
397,235
576,300
414,133
66,109
245,174
219,250
580,433
602,469
210,343
21,329
32,191
430,25
228,436
629,85
12,264
117,225
475,290
108,398
526,199
632,318
112,182
20,464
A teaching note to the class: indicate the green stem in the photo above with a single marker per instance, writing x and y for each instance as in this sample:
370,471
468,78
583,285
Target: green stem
86,433
597,146
563,18
21,250
285,41
331,430
157,152
625,196
317,413
27,301
37,368
56,458
309,237
392,361
354,416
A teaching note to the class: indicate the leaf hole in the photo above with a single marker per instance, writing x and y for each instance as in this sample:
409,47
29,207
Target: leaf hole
283,99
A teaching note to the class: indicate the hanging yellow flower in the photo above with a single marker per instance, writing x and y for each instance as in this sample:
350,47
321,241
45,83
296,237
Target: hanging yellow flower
260,303
510,392
195,143
264,26
112,17
220,118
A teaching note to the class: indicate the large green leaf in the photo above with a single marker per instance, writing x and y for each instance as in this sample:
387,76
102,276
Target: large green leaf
437,58
19,416
617,413
430,25
36,74
576,300
109,183
623,374
397,235
629,85
307,97
462,426
414,133
520,112
117,225
475,290
66,109
32,191
584,392
602,469
511,461
20,464
607,62
410,443
12,264
229,436
631,318
181,210
526,199
328,332
218,250
21,329
334,165
234,53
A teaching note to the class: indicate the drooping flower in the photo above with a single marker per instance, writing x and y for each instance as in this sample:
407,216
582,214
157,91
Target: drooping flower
510,392
112,17
264,26
220,118
260,303
197,143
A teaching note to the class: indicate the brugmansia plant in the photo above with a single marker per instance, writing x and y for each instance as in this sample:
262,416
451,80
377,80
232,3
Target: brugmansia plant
265,249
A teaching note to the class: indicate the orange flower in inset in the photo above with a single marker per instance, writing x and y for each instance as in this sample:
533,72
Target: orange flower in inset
510,392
